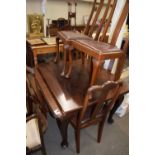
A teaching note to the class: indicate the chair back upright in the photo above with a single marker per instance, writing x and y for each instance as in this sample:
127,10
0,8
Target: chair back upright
35,99
120,23
100,104
106,19
115,35
34,133
96,8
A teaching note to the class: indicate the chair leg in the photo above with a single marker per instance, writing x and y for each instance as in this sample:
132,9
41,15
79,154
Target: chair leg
43,150
100,130
58,52
77,139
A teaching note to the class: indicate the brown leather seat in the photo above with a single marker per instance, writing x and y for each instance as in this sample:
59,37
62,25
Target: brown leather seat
67,35
99,47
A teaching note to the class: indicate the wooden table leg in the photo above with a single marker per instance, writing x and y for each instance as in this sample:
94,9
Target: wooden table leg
94,70
70,61
35,57
58,52
63,127
116,105
83,55
65,60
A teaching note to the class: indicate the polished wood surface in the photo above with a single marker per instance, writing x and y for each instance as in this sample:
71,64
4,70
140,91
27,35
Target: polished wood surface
65,96
68,91
52,103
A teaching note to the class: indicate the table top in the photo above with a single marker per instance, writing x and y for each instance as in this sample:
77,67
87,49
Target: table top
65,96
42,43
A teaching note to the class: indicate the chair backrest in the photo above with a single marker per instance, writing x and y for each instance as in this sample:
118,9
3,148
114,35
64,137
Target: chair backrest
94,13
116,32
34,99
106,19
102,91
120,22
34,133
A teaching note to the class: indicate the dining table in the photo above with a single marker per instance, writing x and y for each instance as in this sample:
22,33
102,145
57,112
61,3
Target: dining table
64,97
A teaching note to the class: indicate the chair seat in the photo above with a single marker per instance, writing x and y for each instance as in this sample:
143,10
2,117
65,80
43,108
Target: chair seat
68,35
32,134
99,47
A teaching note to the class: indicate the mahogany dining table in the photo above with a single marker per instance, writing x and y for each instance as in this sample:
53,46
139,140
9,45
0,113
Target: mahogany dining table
64,96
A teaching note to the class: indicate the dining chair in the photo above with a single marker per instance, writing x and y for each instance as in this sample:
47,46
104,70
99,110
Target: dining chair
34,134
105,51
90,28
34,98
95,110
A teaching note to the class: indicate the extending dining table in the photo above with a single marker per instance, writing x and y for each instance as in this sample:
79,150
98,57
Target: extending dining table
64,97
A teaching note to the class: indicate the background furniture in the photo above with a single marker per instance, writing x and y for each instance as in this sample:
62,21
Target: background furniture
54,28
48,45
71,14
56,25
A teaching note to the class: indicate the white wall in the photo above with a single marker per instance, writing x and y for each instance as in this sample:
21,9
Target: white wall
58,8
117,12
55,9
33,6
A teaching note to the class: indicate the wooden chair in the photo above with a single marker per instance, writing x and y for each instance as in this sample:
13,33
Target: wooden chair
95,110
67,36
34,99
36,121
34,134
102,51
